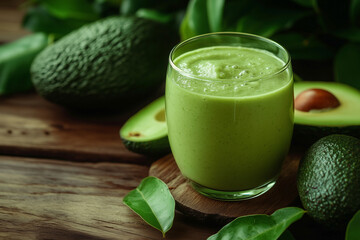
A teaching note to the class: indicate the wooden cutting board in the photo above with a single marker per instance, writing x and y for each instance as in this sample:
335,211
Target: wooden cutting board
202,208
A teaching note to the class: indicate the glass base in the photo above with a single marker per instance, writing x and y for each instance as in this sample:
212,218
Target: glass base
232,195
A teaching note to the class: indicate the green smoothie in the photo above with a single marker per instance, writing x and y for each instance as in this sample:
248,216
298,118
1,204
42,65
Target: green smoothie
230,116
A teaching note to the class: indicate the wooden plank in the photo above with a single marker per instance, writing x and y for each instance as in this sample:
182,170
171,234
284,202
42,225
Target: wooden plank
51,199
10,21
31,126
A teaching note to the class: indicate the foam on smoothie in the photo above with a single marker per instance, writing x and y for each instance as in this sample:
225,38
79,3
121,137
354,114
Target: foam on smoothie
236,70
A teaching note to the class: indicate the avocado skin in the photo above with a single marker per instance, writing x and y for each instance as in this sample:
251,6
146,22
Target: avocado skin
307,135
155,148
108,64
328,180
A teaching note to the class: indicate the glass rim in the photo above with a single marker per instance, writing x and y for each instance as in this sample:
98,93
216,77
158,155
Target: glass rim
246,35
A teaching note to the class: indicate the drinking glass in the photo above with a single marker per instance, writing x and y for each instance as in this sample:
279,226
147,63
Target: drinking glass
229,134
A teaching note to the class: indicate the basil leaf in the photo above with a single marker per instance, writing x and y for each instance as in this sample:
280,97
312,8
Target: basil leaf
353,228
347,62
65,9
215,10
286,236
15,61
153,202
259,227
265,20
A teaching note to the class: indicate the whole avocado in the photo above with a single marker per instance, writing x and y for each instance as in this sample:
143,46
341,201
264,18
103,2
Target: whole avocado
108,64
329,180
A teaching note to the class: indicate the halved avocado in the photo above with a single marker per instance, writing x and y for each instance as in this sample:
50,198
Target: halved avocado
342,118
146,131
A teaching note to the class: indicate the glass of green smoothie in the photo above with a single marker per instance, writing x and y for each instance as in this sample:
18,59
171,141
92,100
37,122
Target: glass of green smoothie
229,110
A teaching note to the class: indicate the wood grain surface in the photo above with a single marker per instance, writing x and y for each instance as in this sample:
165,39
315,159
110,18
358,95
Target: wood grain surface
31,126
11,15
205,209
50,199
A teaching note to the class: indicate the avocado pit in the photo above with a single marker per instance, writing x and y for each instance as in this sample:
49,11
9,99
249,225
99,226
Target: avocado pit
316,99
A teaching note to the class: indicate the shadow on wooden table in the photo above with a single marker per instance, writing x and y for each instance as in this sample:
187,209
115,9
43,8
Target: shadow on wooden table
56,233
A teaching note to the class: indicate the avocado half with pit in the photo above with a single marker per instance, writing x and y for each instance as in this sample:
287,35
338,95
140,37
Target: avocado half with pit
324,108
146,131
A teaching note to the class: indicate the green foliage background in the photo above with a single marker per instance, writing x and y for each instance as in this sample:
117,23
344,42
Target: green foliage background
311,30
322,36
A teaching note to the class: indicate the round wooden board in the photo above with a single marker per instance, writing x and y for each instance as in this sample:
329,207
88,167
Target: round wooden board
201,208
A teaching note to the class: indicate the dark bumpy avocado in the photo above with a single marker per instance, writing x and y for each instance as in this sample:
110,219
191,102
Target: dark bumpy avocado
107,64
146,131
329,180
343,119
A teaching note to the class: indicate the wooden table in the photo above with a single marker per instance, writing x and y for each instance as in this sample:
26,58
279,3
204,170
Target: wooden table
63,175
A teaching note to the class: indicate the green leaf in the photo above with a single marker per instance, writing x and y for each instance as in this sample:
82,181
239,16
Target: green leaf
196,19
233,10
129,7
349,33
355,12
347,62
286,236
333,14
297,78
154,15
353,228
301,47
259,227
266,20
104,8
38,19
215,10
71,9
153,202
185,31
306,3
15,61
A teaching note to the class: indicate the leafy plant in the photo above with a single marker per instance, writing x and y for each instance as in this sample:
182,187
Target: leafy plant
347,64
153,202
15,60
60,17
260,227
313,30
287,235
353,228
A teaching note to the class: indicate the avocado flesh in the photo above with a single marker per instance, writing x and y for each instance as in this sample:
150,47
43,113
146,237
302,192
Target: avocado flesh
146,131
345,119
328,180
